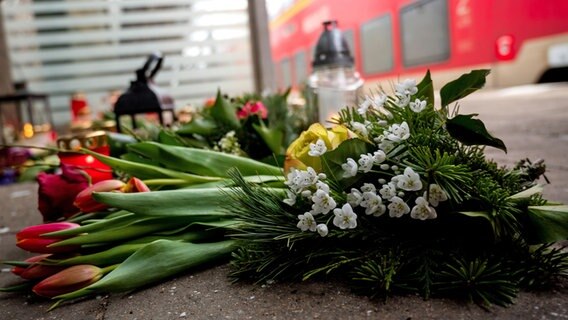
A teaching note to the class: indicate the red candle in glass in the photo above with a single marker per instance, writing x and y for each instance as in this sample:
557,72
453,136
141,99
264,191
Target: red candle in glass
95,141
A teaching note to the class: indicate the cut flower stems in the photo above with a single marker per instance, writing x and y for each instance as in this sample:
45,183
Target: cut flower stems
396,197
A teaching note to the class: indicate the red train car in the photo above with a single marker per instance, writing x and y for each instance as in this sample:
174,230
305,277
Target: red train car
522,41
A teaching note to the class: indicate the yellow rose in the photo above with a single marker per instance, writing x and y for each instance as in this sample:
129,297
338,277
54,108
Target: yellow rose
297,154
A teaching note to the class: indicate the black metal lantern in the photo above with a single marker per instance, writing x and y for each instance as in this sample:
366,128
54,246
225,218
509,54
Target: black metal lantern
25,117
144,96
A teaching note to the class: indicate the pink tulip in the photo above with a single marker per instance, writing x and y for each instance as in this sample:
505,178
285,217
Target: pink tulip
30,238
84,200
68,280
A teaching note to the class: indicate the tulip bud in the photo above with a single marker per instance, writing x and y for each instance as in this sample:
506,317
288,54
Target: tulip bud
84,200
30,238
36,270
135,185
68,280
18,270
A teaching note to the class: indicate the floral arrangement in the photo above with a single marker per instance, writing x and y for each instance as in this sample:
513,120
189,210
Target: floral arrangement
399,198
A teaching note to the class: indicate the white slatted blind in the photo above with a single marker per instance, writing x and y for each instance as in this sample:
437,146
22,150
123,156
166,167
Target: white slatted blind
60,47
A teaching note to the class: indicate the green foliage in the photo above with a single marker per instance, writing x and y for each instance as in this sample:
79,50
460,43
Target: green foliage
224,112
471,131
442,169
463,86
378,276
478,280
426,88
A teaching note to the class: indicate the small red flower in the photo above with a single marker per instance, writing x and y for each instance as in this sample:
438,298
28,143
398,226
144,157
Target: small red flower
251,108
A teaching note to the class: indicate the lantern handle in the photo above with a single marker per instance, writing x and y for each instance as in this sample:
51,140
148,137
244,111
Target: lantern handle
154,59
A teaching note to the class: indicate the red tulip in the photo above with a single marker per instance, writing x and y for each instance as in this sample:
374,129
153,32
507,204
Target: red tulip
30,238
18,270
84,200
68,280
57,191
36,270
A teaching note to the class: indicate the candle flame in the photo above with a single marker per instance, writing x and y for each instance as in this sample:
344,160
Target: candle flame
28,131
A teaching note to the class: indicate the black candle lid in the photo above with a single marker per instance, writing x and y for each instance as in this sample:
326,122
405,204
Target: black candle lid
332,49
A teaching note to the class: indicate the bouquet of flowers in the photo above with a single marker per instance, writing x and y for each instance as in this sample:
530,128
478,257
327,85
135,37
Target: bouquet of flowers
117,236
248,125
399,198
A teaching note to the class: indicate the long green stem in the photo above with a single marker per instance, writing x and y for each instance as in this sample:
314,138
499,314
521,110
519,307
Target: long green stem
166,182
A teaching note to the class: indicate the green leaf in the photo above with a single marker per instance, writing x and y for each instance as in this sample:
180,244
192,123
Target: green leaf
333,160
118,142
156,261
525,194
116,221
273,137
224,112
183,202
463,86
199,126
426,88
170,138
120,252
144,171
471,131
133,157
548,223
22,287
477,214
202,162
142,227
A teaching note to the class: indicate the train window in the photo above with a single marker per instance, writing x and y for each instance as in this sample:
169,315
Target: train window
286,72
425,32
301,67
376,45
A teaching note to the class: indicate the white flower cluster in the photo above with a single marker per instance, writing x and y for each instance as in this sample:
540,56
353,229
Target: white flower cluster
393,192
229,144
310,185
372,104
317,149
364,164
404,91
